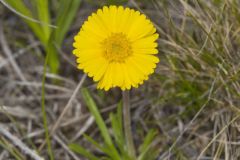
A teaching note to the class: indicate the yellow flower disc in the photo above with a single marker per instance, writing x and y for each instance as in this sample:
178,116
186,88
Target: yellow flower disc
117,46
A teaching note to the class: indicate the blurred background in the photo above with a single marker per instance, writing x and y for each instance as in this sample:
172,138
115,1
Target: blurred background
192,101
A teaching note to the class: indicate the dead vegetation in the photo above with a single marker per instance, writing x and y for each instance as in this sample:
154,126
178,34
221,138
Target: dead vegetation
192,100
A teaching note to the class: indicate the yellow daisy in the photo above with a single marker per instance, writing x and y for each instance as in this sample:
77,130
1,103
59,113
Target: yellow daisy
117,46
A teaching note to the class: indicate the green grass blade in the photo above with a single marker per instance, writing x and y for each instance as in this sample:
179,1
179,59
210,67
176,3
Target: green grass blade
79,149
66,13
148,140
42,29
100,122
43,16
20,8
104,149
53,56
95,112
44,114
13,151
21,130
95,143
117,127
146,151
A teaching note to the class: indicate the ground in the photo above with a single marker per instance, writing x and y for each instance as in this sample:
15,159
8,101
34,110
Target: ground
191,100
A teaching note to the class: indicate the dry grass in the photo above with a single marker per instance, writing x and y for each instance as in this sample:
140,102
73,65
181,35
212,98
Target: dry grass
192,100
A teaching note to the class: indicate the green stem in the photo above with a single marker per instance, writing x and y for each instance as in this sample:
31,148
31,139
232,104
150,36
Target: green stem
44,114
127,124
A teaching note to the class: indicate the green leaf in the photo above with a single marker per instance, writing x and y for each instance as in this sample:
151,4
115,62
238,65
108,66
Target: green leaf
49,37
148,140
20,9
104,149
146,150
53,62
66,13
43,15
100,122
95,112
79,149
95,143
117,127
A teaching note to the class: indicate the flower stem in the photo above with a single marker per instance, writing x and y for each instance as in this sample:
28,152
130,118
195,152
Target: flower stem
127,124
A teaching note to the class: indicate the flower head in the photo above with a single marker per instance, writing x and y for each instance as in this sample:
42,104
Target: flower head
117,46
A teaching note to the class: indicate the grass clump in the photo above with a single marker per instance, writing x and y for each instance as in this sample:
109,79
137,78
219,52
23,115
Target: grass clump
38,17
192,100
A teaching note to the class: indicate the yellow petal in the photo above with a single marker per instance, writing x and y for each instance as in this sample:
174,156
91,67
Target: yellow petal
115,47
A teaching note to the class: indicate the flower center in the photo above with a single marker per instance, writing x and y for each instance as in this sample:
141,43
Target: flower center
116,48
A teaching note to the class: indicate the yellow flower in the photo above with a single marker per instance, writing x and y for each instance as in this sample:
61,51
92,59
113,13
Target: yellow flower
116,46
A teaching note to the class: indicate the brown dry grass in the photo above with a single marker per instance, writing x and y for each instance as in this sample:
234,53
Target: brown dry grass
192,99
